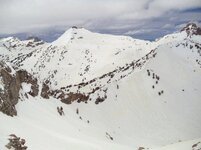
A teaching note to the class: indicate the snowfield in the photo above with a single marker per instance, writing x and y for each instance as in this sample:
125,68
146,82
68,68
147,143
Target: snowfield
151,91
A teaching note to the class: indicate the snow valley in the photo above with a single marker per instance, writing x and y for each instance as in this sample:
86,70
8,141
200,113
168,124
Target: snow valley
91,91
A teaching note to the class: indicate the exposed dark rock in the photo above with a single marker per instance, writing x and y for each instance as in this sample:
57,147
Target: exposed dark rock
34,41
196,146
10,92
45,91
77,111
24,76
16,143
74,27
11,82
99,100
75,97
192,29
60,111
109,136
141,148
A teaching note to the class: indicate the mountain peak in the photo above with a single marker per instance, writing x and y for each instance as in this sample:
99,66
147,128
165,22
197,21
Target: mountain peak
192,29
64,38
69,35
76,27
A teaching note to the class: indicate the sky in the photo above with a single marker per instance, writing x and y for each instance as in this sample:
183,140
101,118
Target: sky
143,19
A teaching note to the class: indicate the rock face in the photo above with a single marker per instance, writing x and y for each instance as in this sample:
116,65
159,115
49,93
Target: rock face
192,29
10,90
24,76
34,41
11,81
16,143
45,91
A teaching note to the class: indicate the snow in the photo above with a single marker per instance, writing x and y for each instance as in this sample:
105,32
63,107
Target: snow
134,114
101,53
26,87
64,39
40,127
1,85
13,49
184,145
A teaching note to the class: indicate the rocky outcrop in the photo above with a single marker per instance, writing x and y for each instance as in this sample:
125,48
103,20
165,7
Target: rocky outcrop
66,98
24,76
75,97
192,29
10,81
45,92
16,143
10,87
34,41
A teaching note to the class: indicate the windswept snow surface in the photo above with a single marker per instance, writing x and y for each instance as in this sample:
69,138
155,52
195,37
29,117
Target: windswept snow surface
154,105
185,145
44,128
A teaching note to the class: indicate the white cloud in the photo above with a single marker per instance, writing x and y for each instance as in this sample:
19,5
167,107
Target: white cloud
32,15
134,32
167,26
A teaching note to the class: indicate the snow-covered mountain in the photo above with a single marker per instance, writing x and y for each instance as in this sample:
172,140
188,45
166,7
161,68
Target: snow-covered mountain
113,92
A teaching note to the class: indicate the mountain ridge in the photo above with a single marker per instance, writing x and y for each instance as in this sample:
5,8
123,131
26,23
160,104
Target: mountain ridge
122,93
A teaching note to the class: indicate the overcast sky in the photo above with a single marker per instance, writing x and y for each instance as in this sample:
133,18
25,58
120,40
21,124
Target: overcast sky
145,19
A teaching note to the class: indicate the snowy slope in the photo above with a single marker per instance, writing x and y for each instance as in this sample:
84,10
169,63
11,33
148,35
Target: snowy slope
150,93
185,145
84,55
13,49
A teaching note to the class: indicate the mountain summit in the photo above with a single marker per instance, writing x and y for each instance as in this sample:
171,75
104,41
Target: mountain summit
192,29
69,35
